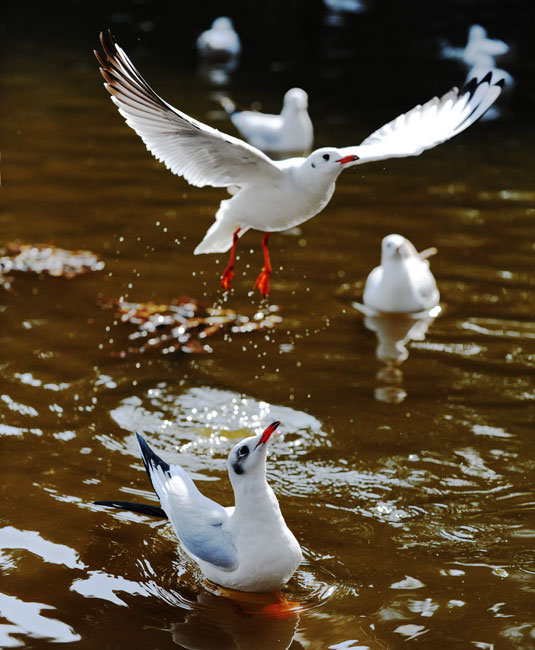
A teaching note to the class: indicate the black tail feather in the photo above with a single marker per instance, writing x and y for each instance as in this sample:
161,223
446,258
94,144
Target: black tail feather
150,458
141,508
150,461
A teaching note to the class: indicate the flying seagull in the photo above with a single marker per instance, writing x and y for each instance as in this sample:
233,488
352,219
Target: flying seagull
270,195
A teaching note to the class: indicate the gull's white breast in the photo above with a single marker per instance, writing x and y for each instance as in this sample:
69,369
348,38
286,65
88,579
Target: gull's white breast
403,286
268,553
278,205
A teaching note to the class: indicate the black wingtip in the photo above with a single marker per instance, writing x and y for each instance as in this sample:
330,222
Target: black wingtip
470,86
108,42
487,78
140,508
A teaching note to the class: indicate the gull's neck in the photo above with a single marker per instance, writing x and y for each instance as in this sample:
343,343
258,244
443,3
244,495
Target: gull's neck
315,184
394,262
253,497
289,110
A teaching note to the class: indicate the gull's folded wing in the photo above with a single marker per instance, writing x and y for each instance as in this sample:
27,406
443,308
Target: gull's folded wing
427,126
189,148
494,47
197,520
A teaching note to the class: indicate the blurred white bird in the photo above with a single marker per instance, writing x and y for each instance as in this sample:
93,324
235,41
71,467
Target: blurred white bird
272,195
480,45
483,65
291,131
247,547
404,282
347,6
477,46
479,54
220,41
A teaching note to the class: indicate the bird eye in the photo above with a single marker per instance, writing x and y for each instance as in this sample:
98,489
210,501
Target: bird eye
326,156
243,451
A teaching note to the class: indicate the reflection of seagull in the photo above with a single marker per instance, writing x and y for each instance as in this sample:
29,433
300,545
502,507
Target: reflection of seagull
291,131
247,547
232,622
220,41
272,195
403,283
393,335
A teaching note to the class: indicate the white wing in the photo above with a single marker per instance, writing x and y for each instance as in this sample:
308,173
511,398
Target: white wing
493,47
423,283
189,148
198,521
426,126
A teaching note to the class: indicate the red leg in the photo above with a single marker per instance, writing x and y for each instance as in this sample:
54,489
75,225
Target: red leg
228,273
262,282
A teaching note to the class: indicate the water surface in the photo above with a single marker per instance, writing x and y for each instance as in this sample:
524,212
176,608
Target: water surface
410,486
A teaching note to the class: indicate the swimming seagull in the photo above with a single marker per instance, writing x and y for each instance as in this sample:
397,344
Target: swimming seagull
479,54
291,131
272,195
404,282
220,41
478,47
247,547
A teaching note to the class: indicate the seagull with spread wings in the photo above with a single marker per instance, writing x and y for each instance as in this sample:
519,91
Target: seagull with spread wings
270,195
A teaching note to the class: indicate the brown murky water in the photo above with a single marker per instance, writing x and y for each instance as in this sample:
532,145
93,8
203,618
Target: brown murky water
411,488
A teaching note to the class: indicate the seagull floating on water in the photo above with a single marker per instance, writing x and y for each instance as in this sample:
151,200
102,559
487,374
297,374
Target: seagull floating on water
404,282
270,195
477,47
247,547
479,54
291,131
220,41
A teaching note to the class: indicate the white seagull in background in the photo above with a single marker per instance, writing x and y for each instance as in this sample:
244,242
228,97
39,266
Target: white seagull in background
479,54
270,195
291,131
478,48
220,41
404,282
247,547
348,6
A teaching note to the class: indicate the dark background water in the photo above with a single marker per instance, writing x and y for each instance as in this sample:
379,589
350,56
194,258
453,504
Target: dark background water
411,490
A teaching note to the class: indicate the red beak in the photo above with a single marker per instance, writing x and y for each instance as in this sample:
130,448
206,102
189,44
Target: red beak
267,433
347,159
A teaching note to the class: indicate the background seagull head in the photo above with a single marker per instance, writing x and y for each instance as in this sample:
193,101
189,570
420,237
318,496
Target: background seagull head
248,457
396,247
296,98
477,33
223,24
